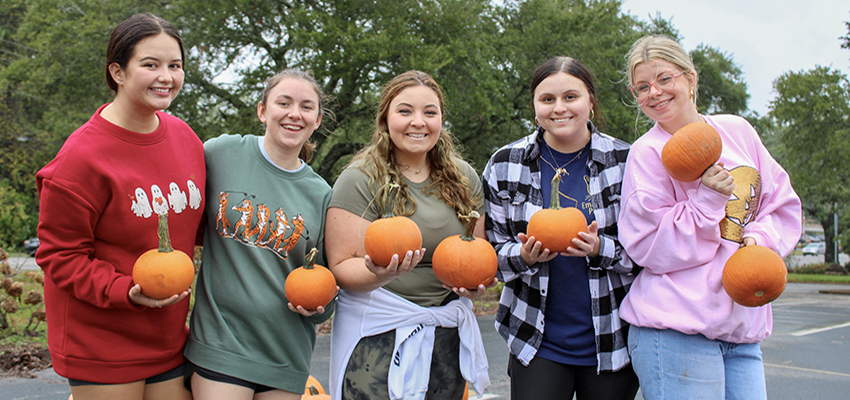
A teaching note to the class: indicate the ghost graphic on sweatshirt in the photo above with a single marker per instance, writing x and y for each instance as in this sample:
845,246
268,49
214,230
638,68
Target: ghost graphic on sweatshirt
194,195
141,207
160,206
177,198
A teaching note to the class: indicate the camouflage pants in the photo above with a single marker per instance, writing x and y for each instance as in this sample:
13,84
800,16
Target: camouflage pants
366,374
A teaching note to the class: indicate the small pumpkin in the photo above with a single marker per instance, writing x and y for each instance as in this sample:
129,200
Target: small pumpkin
310,286
754,276
164,271
556,227
691,150
390,235
464,260
313,393
312,381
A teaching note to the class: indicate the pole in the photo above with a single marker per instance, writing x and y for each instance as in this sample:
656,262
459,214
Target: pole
835,230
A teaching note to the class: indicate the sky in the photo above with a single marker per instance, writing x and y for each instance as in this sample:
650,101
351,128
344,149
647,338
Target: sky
765,38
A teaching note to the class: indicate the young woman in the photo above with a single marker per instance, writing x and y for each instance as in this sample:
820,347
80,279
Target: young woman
401,311
244,342
577,293
99,204
688,339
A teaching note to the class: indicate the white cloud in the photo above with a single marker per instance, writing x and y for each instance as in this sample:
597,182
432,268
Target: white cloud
766,38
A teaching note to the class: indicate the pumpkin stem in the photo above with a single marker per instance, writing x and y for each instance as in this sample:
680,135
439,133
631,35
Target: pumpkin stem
164,236
555,201
471,220
313,391
391,192
310,259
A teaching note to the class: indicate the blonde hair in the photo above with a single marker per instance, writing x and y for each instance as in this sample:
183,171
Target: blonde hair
378,159
662,48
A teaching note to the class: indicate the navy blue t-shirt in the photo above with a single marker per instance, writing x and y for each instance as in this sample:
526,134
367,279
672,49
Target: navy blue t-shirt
568,336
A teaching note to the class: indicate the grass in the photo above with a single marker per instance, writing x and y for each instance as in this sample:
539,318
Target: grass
818,278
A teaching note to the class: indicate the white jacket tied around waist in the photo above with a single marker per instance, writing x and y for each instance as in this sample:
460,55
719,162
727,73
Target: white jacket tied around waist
359,315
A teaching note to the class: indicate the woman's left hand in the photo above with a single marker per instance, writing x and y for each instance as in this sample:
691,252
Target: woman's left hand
748,241
309,313
587,243
136,297
473,294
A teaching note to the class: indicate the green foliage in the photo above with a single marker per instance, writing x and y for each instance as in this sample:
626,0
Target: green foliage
482,52
15,223
722,89
812,109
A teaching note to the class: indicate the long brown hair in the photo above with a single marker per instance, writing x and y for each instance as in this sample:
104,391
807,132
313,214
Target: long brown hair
378,159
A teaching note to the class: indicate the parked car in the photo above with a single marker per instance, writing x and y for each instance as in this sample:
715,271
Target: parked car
31,245
814,248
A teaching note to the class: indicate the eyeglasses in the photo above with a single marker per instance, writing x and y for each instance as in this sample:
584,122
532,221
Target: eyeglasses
663,83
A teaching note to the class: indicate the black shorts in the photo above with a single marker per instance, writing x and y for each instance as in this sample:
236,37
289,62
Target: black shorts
218,377
165,376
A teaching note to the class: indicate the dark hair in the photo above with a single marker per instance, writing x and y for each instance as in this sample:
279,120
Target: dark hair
572,67
122,41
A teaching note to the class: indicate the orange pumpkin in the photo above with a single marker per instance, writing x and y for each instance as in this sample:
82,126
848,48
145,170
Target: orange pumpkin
556,227
464,260
312,381
391,235
754,276
690,151
310,286
312,393
163,272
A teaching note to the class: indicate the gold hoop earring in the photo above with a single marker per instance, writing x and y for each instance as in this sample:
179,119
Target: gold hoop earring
592,114
692,94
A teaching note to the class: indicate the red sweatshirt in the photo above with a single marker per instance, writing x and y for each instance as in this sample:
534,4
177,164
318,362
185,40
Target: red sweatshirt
99,200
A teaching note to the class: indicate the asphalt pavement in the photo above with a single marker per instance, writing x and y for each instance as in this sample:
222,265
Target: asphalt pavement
804,358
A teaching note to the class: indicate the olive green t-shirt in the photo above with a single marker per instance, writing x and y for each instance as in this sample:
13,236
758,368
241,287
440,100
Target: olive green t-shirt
435,219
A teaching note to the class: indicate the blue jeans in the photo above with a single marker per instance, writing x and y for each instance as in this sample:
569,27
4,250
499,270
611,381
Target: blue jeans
672,366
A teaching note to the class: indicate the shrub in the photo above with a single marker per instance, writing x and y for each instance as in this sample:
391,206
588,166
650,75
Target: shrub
21,299
816,269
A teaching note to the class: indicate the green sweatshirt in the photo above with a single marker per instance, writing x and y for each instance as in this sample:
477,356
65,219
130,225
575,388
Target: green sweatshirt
264,223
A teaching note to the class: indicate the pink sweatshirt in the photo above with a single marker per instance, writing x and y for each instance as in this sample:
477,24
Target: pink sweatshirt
682,233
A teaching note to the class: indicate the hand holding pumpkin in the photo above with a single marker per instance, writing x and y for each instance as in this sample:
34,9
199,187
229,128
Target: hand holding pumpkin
532,250
473,294
718,179
586,244
136,297
307,313
396,267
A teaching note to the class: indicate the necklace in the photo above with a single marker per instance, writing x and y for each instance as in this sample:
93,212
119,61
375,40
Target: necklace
562,167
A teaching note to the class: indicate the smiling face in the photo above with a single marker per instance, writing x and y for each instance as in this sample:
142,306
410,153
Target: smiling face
291,114
562,106
672,108
153,76
414,121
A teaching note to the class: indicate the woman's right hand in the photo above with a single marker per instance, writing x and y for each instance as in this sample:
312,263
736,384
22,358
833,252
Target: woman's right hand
532,250
396,268
718,179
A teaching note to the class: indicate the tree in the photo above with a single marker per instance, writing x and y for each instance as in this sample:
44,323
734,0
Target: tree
813,107
482,52
722,89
